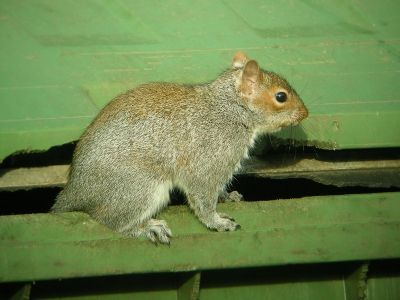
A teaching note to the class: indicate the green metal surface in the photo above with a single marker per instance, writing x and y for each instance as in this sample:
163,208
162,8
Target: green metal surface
62,61
307,230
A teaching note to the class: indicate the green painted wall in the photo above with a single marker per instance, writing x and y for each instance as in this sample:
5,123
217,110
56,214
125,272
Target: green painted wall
62,61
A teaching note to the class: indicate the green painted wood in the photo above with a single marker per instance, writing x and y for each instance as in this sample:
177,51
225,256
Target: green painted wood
188,287
299,282
293,282
62,61
23,293
307,230
383,280
355,284
137,286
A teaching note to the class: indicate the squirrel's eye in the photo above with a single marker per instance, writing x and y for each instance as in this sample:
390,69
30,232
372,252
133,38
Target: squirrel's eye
281,97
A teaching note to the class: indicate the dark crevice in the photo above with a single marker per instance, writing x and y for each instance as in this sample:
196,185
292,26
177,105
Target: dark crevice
252,188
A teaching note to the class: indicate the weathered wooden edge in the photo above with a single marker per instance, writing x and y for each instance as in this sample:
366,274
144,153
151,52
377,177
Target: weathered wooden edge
308,230
332,169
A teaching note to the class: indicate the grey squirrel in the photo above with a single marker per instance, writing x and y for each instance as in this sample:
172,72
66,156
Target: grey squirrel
161,136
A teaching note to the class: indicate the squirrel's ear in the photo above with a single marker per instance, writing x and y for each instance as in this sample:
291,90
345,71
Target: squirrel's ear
250,77
239,60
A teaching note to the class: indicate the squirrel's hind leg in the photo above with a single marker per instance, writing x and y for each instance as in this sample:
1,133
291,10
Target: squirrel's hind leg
147,226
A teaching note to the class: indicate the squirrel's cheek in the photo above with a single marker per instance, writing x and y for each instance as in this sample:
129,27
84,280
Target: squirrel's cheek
266,103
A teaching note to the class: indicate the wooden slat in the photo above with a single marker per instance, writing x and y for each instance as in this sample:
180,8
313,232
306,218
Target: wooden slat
380,168
307,230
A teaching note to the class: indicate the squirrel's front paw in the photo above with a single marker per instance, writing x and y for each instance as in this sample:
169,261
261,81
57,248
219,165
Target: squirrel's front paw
224,223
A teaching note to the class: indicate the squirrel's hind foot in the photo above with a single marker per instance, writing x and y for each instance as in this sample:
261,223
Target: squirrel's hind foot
153,229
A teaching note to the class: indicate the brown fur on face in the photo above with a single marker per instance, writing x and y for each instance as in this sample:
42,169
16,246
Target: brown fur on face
258,88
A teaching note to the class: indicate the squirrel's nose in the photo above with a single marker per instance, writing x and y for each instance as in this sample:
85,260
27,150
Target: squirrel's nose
300,114
303,113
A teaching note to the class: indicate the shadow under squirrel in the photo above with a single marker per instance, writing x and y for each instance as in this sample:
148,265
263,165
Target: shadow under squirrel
159,136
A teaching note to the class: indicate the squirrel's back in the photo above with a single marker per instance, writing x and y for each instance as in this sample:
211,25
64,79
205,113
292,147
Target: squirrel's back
168,130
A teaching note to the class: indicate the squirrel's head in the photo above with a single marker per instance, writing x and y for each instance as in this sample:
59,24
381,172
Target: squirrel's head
267,94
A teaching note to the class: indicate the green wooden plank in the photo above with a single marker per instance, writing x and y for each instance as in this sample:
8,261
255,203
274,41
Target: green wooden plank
300,282
61,61
188,285
137,286
307,230
384,281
